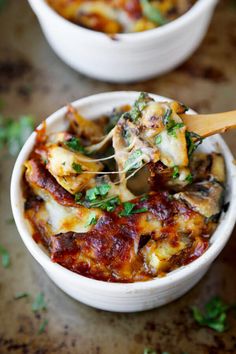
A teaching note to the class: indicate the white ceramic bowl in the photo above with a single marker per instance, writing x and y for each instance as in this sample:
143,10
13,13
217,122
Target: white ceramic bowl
117,296
132,56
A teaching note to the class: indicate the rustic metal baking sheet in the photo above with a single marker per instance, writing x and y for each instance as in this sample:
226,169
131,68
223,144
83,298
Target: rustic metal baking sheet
33,80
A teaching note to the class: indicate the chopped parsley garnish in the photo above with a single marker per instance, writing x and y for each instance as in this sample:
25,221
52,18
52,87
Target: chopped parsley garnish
114,117
97,198
108,204
75,144
132,162
126,135
42,327
20,295
144,198
78,197
39,303
192,145
13,133
175,174
5,257
189,178
77,167
92,220
186,108
214,315
129,209
158,139
93,193
152,13
171,125
142,101
167,116
135,113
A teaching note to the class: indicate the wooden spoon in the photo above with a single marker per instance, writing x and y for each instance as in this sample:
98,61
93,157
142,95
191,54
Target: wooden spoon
209,124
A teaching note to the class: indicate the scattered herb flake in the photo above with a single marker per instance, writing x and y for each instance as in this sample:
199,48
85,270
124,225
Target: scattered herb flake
158,139
214,315
42,327
191,144
78,197
172,126
186,108
5,257
92,220
175,174
189,178
167,116
132,162
129,209
77,167
144,198
93,193
13,133
152,13
20,295
75,144
104,189
113,119
105,204
39,303
135,113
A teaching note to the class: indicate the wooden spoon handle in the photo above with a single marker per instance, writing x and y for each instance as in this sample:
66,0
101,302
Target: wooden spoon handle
209,124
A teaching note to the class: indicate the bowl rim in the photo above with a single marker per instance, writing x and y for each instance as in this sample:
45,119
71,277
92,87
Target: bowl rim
199,7
45,261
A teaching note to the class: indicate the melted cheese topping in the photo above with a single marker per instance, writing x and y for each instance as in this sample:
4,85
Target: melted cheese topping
151,133
64,219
